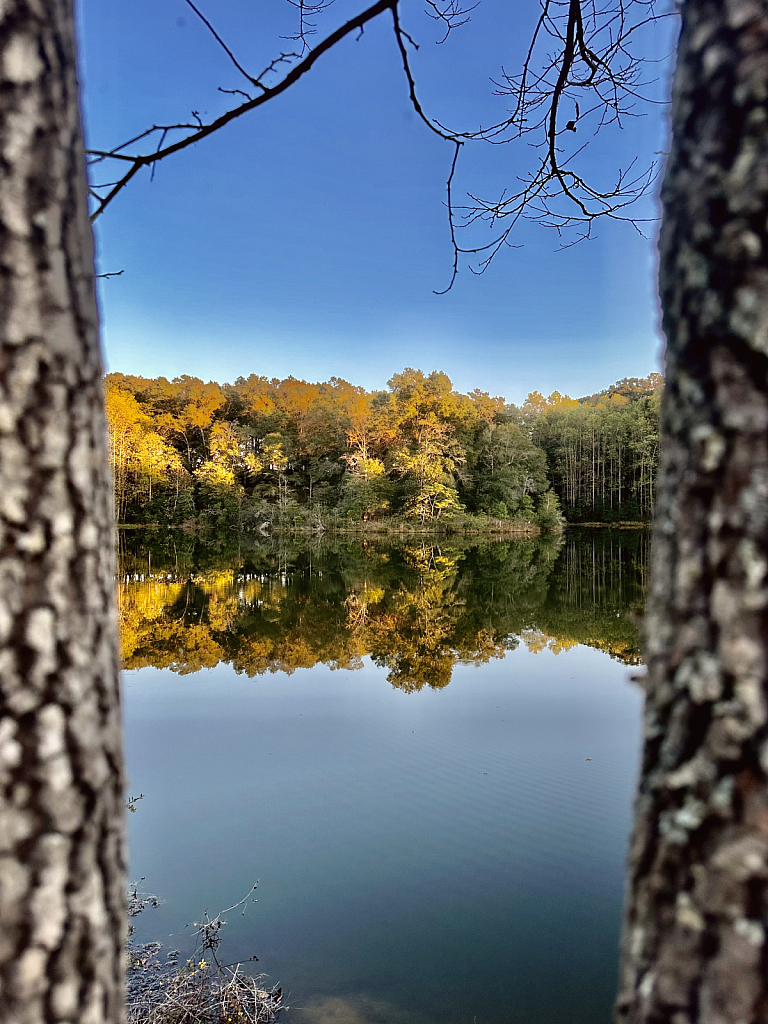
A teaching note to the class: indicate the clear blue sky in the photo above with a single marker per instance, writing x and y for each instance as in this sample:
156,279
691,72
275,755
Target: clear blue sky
307,237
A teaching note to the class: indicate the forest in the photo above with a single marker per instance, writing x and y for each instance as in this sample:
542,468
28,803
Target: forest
262,453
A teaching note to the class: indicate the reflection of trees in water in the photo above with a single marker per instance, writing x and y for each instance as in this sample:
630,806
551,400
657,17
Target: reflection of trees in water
596,591
416,610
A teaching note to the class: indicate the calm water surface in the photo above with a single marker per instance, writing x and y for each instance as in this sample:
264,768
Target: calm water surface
424,754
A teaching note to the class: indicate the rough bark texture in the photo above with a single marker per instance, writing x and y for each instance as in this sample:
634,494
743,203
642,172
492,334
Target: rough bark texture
61,796
694,944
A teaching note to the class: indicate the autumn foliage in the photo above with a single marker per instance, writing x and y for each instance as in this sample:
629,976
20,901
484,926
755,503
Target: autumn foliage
260,452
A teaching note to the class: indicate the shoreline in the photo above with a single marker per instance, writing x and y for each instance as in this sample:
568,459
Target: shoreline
378,530
497,529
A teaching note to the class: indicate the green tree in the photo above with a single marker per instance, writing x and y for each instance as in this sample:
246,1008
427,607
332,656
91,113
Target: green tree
366,491
508,466
548,514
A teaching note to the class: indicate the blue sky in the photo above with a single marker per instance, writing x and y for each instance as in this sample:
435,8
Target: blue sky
307,237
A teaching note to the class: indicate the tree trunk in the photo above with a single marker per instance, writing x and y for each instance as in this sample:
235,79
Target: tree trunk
61,788
694,946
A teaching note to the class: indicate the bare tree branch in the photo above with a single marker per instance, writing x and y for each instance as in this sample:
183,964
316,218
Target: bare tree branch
580,53
309,9
450,13
591,59
402,37
223,45
198,132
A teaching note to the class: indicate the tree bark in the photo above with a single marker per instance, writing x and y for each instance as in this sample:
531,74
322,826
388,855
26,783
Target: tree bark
694,946
61,788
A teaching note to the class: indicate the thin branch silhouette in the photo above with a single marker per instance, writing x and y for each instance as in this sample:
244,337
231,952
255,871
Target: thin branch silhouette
579,74
579,55
199,131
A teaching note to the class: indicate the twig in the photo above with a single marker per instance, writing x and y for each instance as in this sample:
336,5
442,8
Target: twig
143,160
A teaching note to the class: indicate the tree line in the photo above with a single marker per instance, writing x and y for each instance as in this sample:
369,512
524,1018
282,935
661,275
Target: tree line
262,451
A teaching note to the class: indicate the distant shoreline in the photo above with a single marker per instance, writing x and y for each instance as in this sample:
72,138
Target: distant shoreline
498,529
624,525
358,530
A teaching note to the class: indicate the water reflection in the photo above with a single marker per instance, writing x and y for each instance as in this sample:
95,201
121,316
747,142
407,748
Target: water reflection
416,609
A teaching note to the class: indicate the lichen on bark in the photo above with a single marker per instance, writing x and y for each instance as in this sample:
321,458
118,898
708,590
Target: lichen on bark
61,795
694,946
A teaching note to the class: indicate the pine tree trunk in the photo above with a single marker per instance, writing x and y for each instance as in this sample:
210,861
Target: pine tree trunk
61,792
694,946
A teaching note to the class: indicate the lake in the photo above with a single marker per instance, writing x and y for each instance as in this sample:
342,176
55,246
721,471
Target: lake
425,754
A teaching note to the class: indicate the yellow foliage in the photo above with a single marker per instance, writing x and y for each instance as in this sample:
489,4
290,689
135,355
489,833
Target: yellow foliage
140,457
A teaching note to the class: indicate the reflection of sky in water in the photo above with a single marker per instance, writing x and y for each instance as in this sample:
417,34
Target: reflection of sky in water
422,858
